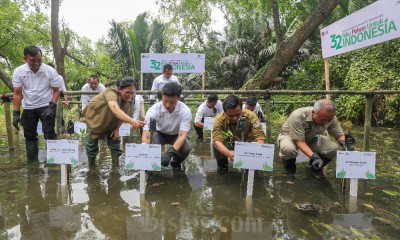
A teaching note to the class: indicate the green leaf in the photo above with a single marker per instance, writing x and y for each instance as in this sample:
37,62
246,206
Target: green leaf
155,166
267,167
392,193
356,232
341,174
74,161
238,164
50,160
129,165
369,175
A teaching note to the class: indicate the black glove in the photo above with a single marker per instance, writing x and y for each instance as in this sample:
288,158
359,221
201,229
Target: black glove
152,101
62,93
170,153
16,118
316,163
342,144
50,112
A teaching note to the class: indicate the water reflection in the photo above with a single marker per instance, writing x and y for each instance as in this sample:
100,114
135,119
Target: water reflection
196,202
106,208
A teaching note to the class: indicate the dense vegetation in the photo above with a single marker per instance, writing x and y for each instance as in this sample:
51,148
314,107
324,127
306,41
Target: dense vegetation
234,56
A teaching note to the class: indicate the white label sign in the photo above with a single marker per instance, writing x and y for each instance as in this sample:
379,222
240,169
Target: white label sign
62,151
181,62
376,23
143,156
125,130
208,124
80,128
254,156
39,129
354,164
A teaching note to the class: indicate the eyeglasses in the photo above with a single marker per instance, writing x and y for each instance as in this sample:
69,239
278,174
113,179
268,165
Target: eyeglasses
130,93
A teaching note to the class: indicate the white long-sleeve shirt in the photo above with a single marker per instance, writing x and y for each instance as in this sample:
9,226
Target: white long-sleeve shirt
205,111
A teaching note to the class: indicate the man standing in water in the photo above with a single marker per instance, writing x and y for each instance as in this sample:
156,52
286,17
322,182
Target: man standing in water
160,81
303,130
36,85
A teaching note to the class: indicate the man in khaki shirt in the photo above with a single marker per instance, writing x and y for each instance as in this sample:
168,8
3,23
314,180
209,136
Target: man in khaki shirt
226,122
303,130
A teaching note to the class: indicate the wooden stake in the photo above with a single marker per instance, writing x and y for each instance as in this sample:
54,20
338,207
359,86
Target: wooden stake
250,182
327,82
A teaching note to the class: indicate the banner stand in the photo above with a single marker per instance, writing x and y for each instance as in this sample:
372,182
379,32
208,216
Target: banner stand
63,174
250,182
327,81
142,190
353,187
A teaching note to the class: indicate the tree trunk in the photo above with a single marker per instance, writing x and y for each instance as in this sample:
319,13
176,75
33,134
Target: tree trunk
277,22
58,51
6,80
288,49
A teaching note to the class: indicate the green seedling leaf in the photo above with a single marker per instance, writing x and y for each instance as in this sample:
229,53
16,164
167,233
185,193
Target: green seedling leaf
155,167
341,174
50,160
356,232
238,164
129,165
392,193
267,167
74,161
369,175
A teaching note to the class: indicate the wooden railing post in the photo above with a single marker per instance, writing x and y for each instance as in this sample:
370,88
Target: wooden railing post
8,125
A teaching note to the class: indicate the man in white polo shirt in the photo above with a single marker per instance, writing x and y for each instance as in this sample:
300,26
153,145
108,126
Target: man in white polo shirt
160,81
38,84
93,84
173,120
210,108
252,105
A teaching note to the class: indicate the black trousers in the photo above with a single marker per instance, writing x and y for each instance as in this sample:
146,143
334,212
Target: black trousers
199,130
29,121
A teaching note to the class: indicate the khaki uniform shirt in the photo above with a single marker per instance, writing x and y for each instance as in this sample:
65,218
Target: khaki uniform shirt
252,133
98,115
300,126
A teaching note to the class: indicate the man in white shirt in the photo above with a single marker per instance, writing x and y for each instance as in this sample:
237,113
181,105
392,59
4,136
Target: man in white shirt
173,120
160,81
36,86
93,84
210,108
252,105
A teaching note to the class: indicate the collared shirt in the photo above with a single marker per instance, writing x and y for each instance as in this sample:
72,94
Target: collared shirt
204,111
256,109
169,123
160,81
37,88
253,131
300,126
98,115
136,106
86,98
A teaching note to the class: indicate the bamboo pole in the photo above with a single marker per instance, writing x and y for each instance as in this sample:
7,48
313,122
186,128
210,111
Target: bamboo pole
327,82
58,116
268,120
203,84
8,126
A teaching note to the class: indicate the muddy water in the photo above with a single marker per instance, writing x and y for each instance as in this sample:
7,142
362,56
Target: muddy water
197,201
